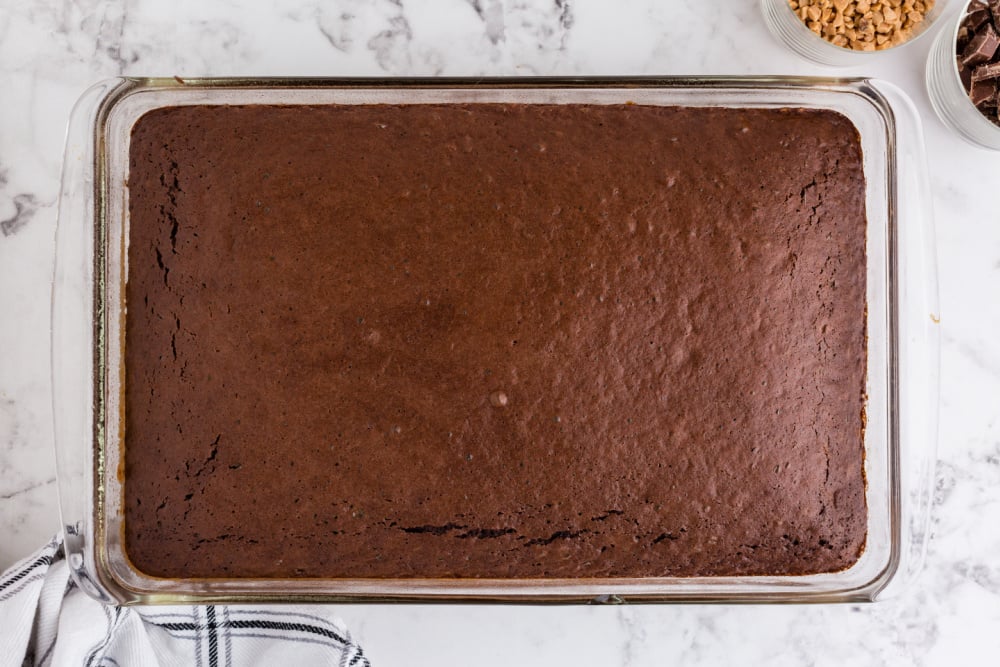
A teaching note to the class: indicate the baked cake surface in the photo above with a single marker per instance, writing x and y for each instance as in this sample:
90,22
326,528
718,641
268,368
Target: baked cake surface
494,341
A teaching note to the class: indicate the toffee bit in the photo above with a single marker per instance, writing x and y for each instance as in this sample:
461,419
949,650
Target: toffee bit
863,25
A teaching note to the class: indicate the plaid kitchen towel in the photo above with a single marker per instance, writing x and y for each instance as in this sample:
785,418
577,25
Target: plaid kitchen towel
45,619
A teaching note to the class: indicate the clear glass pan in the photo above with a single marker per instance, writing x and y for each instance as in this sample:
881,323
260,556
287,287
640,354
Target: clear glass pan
89,310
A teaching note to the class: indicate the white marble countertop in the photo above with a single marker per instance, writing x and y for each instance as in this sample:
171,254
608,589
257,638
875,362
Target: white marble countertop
51,51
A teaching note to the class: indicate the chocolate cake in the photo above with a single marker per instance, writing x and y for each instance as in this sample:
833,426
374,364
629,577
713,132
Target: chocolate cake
492,340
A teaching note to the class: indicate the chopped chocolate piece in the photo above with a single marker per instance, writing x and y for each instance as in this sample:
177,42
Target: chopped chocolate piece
965,74
964,35
976,19
978,47
987,71
982,47
983,91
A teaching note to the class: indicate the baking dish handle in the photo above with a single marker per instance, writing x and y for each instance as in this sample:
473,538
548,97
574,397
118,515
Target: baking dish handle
73,330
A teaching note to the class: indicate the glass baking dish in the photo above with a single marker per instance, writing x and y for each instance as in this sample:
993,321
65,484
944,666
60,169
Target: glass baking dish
88,312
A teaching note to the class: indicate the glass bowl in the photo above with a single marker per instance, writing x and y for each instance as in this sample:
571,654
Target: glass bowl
948,96
793,33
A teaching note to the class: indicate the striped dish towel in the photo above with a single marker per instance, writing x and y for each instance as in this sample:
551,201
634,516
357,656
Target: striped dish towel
45,619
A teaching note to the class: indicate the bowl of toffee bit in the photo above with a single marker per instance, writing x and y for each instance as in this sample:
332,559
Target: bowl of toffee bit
848,32
963,74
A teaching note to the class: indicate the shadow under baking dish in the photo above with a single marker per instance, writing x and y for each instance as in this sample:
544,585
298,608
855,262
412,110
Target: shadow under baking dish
89,317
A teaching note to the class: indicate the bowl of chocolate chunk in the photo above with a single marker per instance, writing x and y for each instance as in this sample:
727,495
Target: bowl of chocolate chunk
963,74
848,32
